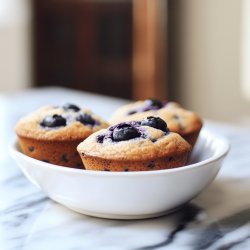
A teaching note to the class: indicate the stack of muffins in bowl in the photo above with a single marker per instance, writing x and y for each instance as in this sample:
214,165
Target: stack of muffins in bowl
143,136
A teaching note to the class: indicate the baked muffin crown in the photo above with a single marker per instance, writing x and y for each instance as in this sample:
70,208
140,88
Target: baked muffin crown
134,141
182,121
148,107
62,123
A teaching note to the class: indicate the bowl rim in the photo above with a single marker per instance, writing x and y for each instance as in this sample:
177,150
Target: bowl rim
16,153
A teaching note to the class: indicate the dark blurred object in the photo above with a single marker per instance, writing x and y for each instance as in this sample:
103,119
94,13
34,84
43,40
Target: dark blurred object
87,45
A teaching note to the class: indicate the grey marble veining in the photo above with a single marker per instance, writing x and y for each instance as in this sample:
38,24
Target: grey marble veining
217,219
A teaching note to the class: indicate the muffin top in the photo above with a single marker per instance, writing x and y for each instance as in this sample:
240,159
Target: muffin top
67,122
178,119
135,141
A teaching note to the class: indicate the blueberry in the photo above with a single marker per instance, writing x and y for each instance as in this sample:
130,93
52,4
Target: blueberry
132,112
64,158
151,164
45,160
70,106
125,133
176,117
100,138
155,122
53,121
155,103
31,148
86,119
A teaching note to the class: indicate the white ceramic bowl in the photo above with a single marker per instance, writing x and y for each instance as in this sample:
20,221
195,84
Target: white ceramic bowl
127,195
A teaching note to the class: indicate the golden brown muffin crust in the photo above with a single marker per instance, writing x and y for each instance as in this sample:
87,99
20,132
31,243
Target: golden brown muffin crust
178,119
29,126
157,145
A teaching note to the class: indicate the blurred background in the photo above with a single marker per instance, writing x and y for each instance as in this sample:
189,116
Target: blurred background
193,52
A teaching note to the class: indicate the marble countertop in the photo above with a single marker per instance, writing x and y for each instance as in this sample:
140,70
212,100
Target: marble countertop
219,218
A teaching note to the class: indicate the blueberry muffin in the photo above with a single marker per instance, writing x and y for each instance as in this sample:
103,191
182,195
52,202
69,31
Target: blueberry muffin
52,133
134,146
184,122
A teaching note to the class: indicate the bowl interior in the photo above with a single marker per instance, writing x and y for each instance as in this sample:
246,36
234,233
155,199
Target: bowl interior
208,148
